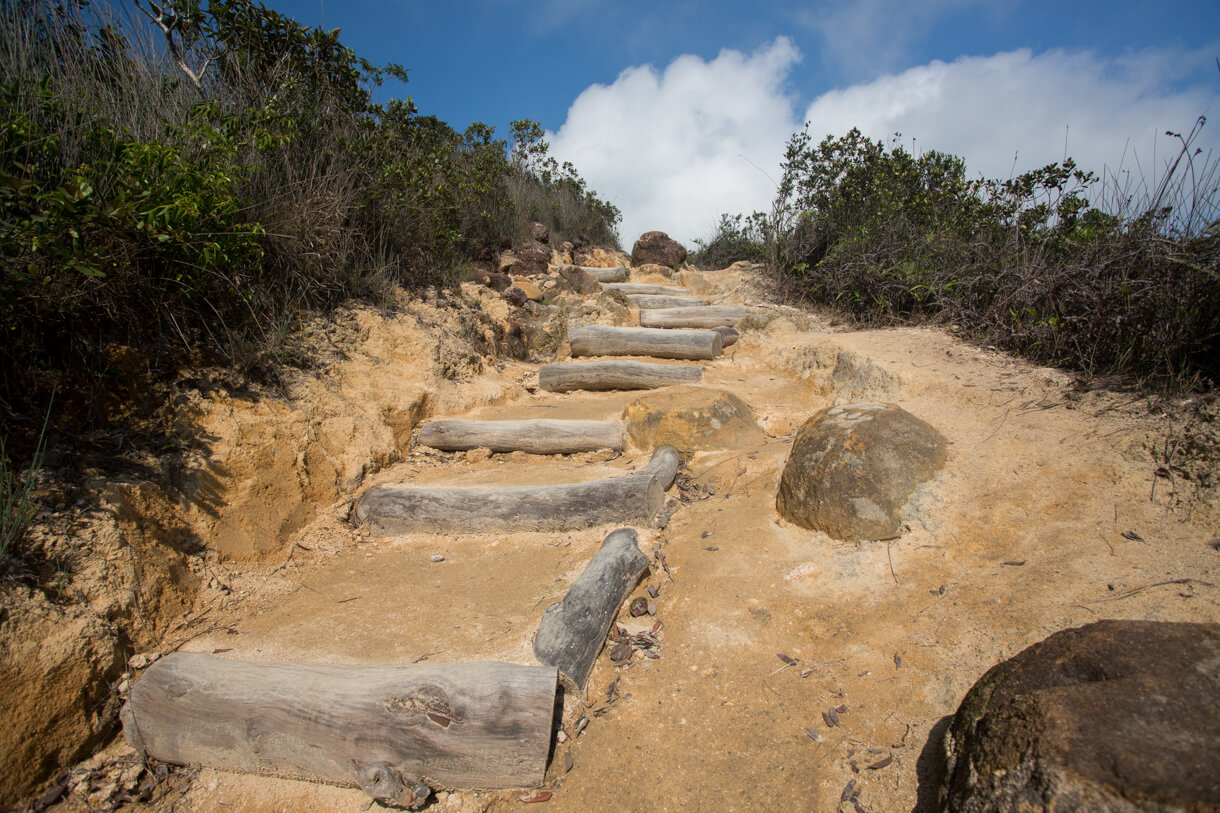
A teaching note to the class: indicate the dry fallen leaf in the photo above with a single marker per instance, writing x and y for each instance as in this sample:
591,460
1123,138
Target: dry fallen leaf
881,763
786,659
540,796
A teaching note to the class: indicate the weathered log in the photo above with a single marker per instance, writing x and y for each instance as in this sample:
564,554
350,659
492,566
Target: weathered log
382,728
615,375
573,630
634,288
653,301
534,436
405,509
728,334
608,274
709,316
663,465
603,340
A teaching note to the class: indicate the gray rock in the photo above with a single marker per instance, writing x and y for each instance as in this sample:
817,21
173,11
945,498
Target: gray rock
658,247
539,232
1114,716
854,467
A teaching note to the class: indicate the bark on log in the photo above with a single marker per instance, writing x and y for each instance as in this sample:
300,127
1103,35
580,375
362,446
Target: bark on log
663,465
634,288
653,301
710,316
382,728
603,340
573,630
533,436
404,509
615,375
728,334
608,274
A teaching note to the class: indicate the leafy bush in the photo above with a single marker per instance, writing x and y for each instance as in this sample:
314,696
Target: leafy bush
737,238
187,200
1029,263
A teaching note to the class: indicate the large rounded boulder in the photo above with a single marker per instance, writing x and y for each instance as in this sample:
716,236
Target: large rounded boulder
1114,716
658,247
854,467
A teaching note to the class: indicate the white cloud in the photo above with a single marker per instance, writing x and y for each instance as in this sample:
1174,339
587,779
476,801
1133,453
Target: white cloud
1013,111
672,149
667,147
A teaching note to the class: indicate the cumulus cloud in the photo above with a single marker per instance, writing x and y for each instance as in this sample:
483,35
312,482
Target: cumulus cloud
1016,111
675,148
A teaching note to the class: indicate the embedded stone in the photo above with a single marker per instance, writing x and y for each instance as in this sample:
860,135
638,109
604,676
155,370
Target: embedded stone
691,418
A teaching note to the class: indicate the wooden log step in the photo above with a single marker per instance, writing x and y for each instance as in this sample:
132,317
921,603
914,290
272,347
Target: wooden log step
482,509
382,728
573,630
615,375
630,288
621,273
648,301
709,316
663,465
603,340
541,436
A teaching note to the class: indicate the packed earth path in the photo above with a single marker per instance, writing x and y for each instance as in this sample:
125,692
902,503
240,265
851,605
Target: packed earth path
790,665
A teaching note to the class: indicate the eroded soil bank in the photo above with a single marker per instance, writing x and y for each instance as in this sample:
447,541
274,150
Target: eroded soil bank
1050,513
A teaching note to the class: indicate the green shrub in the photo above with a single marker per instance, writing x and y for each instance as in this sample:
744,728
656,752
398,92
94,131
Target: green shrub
737,238
1029,263
188,199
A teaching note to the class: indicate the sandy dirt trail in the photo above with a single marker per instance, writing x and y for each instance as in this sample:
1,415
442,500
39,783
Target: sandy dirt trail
1021,535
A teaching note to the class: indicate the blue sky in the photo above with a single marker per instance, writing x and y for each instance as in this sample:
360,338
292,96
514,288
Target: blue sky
677,111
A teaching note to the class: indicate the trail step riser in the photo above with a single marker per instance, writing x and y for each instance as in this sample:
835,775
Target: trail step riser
602,340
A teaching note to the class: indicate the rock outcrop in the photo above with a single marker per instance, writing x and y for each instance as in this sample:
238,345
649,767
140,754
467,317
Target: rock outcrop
657,247
1114,716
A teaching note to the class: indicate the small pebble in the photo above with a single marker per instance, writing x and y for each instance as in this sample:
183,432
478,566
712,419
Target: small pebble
705,534
436,557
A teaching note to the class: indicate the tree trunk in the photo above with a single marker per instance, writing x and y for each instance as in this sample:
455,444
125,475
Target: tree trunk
534,436
615,375
608,274
629,498
602,340
631,288
710,316
381,728
663,465
653,301
573,630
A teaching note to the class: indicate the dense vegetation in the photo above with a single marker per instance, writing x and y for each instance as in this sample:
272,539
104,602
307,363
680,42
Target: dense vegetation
185,196
1055,264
